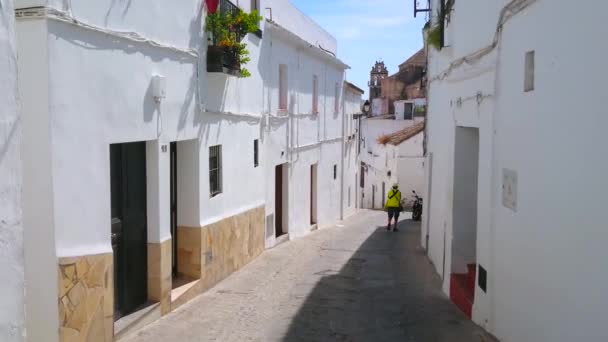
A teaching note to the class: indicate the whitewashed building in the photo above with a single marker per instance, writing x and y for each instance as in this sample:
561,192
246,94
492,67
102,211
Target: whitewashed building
149,178
352,111
391,153
514,219
12,323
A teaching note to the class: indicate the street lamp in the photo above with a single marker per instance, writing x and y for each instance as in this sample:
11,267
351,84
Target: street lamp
366,107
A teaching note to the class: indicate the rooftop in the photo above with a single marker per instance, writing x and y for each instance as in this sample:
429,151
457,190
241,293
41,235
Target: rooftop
418,59
400,136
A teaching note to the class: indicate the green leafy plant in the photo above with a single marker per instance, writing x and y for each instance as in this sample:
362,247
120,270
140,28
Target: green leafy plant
435,32
227,29
434,36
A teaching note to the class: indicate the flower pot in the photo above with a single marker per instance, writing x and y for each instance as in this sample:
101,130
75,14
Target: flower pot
212,5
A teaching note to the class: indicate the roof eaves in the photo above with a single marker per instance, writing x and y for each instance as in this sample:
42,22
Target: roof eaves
274,26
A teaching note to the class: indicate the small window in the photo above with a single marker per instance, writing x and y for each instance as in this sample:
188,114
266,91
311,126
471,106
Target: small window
335,171
256,151
337,98
283,87
362,177
529,72
255,6
215,170
315,94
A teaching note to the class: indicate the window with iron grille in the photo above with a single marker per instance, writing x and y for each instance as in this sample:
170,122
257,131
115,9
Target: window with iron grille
215,170
256,151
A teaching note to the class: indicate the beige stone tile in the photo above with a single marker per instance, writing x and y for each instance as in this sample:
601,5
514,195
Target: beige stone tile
97,274
86,308
82,267
69,335
96,330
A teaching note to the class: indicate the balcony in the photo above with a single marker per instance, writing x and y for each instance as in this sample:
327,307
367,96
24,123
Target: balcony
226,27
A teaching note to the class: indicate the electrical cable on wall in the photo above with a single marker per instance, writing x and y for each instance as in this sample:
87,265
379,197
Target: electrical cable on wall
58,15
509,11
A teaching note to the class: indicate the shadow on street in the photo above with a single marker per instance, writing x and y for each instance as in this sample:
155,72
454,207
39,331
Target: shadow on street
387,291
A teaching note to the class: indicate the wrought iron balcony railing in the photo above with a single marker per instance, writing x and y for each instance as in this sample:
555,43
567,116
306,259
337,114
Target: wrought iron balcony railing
224,58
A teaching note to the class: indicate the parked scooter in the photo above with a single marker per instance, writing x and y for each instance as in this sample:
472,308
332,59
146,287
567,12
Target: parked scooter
417,208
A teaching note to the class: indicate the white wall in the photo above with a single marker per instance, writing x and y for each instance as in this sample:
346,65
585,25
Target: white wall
116,106
38,217
379,158
350,167
290,17
410,166
543,260
555,163
12,324
76,124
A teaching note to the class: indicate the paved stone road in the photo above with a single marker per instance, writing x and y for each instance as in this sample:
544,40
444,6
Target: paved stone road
355,282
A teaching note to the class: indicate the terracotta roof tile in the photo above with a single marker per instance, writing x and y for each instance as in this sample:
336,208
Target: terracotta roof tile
419,58
402,135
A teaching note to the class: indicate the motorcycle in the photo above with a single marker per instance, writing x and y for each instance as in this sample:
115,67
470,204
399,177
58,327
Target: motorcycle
417,208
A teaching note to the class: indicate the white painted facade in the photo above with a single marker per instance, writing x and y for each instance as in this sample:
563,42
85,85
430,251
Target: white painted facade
352,109
544,256
86,83
410,166
388,164
12,303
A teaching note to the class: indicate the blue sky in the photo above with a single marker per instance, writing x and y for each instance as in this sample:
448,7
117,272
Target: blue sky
368,30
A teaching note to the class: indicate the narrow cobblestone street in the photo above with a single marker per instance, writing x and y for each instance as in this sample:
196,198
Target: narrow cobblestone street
354,282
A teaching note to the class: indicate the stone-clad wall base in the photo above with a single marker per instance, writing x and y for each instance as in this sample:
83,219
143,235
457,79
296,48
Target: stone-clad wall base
215,251
86,298
189,252
159,274
230,244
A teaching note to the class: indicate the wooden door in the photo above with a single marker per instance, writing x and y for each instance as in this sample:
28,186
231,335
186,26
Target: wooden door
278,201
173,206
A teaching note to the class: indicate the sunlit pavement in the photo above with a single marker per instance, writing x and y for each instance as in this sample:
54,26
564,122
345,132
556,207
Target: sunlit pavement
353,282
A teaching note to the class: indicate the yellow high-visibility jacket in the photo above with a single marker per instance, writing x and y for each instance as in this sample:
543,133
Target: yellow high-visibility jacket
394,199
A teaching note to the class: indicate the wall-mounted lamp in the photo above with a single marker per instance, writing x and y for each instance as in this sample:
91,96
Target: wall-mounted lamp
159,88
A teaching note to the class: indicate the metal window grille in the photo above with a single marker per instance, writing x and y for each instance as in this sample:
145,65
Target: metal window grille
215,170
256,151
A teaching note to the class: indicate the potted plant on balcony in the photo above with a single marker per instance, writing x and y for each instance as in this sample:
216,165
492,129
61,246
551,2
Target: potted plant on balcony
226,29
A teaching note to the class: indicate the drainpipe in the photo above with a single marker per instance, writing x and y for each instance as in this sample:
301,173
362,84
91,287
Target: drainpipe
342,156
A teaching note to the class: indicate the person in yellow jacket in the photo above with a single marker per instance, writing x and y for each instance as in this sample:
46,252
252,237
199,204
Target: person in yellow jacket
393,207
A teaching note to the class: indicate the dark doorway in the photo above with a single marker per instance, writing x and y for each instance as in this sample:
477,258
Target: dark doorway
278,201
313,194
173,206
464,218
129,226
